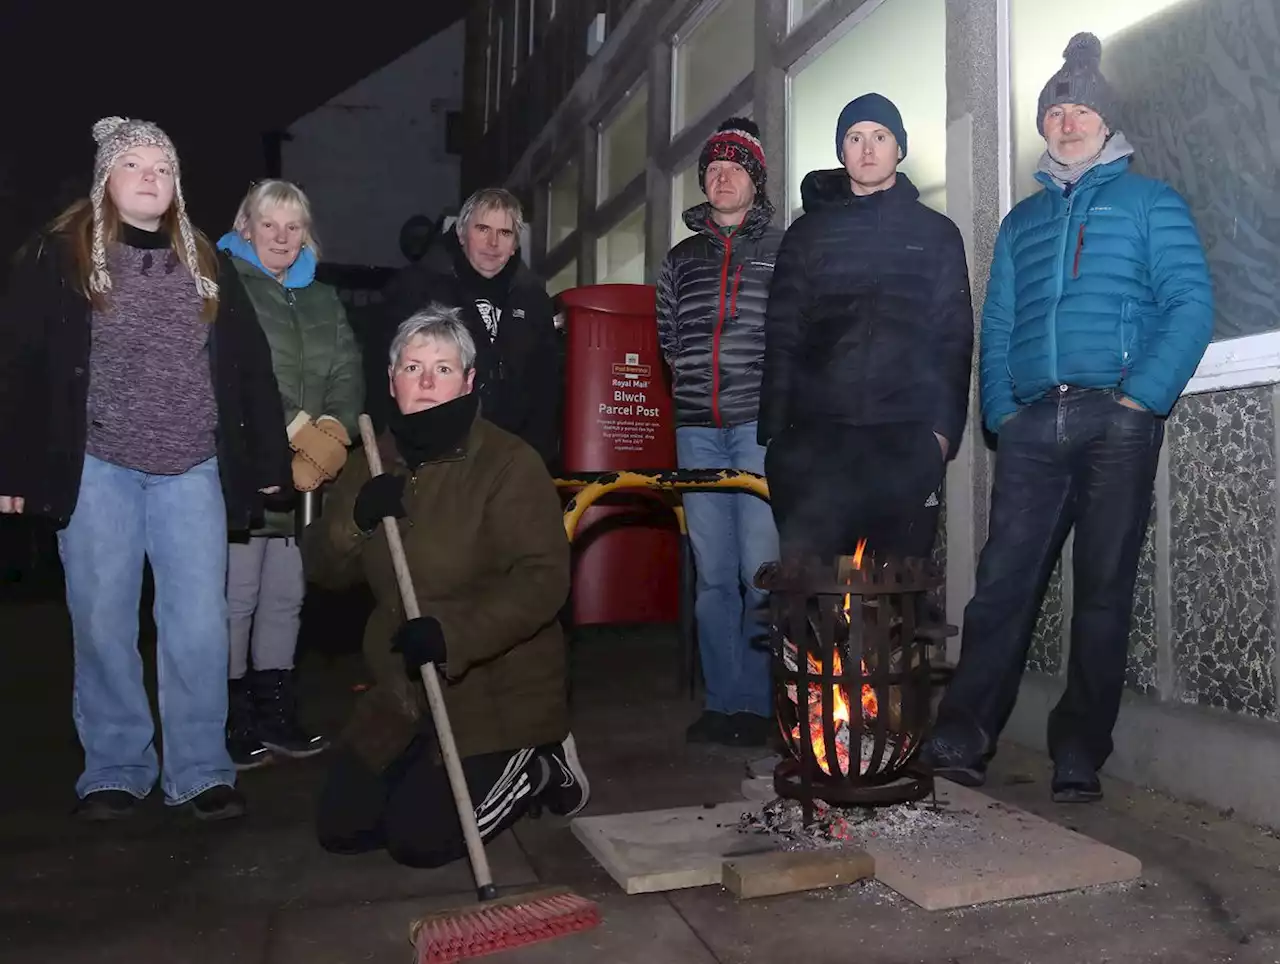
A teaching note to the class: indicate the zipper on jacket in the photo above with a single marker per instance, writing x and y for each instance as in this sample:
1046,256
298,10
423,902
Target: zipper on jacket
1061,285
715,338
1075,266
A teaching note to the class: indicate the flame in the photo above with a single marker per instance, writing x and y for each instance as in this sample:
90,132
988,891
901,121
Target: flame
841,713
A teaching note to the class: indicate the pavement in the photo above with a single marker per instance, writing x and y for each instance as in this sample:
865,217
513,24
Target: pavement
163,888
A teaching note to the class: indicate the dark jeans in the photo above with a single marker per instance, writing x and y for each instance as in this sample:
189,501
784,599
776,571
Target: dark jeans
408,809
1074,458
832,485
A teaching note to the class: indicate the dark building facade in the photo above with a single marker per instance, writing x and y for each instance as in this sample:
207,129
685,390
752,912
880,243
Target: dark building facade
597,116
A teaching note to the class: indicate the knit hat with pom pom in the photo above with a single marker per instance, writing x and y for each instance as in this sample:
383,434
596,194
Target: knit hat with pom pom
116,136
1080,81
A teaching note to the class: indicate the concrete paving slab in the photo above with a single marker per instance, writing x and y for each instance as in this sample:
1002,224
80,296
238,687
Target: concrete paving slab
981,850
655,850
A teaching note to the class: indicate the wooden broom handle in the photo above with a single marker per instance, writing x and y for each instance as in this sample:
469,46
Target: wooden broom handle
444,730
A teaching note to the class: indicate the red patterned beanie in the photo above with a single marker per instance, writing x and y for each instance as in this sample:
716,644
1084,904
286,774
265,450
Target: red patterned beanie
737,140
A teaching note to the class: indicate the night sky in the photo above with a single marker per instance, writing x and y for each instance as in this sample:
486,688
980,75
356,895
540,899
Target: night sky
216,77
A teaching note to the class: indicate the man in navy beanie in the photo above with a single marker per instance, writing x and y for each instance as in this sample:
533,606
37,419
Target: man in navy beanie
868,344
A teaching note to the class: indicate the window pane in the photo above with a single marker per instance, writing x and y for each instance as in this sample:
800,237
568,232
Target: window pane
801,9
562,205
718,53
1197,101
685,193
869,58
620,251
565,278
623,145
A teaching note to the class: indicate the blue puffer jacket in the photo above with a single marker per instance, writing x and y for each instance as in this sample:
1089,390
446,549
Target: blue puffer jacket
1104,286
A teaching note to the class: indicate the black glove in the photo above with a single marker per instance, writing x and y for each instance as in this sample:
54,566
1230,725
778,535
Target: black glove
382,495
419,641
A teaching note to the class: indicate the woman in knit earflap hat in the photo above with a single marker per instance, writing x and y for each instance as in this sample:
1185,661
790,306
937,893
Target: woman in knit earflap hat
142,431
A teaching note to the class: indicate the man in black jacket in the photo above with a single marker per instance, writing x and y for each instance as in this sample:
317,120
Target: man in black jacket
712,291
868,352
506,308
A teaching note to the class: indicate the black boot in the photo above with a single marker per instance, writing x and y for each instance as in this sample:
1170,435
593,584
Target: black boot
277,712
246,749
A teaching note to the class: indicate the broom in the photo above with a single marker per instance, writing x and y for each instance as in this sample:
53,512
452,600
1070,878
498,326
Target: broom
495,924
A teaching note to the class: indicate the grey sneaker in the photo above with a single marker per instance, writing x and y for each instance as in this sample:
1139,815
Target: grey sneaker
566,791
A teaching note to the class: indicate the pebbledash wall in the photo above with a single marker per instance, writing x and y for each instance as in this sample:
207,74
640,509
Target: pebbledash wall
610,171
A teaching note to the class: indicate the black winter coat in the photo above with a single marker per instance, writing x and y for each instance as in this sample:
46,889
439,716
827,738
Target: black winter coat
45,340
870,320
517,374
712,294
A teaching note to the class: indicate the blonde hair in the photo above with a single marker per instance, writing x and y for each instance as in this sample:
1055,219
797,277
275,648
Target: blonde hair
277,193
76,225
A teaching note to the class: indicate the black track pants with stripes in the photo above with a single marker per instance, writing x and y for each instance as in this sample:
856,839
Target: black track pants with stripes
408,809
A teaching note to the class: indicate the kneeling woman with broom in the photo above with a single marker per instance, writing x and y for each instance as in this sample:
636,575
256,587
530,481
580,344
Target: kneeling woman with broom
488,561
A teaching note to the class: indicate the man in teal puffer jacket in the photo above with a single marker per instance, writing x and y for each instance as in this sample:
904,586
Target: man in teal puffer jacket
1098,311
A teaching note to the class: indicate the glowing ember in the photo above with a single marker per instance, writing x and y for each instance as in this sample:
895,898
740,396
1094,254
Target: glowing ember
841,716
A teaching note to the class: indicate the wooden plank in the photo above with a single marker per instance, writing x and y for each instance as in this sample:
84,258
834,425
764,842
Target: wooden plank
785,872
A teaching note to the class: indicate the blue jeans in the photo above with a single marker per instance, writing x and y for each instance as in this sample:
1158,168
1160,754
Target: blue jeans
732,535
1075,458
179,523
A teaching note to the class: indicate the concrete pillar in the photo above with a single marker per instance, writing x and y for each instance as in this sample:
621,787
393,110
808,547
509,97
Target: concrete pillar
657,216
974,174
588,190
770,98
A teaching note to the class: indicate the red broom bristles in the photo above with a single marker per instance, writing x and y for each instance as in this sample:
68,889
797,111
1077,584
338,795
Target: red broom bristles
477,931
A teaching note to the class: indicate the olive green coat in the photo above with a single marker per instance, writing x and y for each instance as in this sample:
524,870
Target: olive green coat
485,542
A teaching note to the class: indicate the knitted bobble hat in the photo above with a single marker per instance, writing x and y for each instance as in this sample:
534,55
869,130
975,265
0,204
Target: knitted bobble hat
116,136
1079,81
736,139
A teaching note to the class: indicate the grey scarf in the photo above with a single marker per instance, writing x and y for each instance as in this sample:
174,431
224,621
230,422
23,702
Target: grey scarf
1115,147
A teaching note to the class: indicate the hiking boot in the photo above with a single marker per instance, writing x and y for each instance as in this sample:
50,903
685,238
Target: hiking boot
957,754
711,727
218,803
748,729
102,806
275,707
246,749
1075,778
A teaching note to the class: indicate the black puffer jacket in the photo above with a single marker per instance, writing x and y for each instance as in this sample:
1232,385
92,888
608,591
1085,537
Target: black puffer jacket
517,374
870,319
712,293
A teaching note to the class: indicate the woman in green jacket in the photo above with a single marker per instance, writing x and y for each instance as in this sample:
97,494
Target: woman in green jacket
317,367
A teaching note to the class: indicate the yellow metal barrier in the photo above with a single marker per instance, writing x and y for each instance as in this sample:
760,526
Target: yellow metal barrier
594,487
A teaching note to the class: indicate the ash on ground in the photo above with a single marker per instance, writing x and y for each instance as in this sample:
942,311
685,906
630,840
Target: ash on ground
834,827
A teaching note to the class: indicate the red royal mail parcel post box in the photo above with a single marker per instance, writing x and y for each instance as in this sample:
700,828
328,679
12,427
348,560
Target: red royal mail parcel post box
619,415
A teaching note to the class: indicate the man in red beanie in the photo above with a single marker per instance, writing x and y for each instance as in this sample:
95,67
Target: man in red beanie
712,293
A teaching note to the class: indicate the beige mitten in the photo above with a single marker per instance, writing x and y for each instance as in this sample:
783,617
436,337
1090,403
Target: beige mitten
323,443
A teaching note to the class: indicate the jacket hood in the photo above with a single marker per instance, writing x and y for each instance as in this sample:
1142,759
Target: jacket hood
698,219
830,188
300,274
